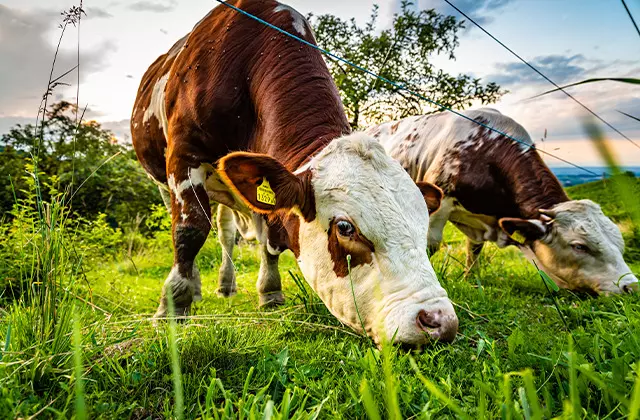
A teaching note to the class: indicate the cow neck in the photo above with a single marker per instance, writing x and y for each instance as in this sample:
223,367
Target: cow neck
298,106
533,185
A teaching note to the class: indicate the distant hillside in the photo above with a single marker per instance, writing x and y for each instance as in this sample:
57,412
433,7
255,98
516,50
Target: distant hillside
604,193
570,176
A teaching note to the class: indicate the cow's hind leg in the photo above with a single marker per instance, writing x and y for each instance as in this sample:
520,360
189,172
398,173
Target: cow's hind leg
269,283
191,223
166,197
227,238
437,221
473,252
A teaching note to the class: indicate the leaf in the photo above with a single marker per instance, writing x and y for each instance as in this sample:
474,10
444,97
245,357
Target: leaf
369,403
547,280
598,79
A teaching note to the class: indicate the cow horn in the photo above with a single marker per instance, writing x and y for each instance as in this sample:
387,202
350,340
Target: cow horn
548,213
545,219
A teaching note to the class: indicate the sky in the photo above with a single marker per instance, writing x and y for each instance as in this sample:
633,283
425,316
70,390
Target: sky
568,40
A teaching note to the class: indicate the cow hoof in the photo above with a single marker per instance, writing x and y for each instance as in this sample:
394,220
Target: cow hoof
162,314
226,292
271,300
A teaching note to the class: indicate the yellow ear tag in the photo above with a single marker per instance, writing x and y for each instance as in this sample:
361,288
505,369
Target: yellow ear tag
265,194
518,237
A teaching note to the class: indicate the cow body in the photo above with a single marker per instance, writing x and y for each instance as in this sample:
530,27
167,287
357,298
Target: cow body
500,190
239,115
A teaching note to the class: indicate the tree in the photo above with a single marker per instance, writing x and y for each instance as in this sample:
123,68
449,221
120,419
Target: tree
120,188
402,54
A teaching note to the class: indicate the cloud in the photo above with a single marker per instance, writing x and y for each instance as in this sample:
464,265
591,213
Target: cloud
120,129
153,6
479,10
7,123
559,68
97,13
27,54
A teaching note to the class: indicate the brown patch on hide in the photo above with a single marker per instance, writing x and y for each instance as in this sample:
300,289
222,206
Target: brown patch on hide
394,127
497,177
358,246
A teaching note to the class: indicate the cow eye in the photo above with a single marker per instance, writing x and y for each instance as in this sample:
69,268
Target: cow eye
580,248
345,228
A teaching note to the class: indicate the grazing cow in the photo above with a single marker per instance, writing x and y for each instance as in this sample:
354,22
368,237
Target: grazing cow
499,190
240,115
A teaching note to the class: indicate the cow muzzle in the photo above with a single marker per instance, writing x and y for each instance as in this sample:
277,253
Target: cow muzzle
438,325
629,284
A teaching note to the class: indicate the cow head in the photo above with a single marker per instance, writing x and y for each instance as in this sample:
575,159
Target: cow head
357,224
577,245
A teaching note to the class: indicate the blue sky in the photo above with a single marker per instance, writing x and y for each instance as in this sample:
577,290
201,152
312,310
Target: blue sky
568,39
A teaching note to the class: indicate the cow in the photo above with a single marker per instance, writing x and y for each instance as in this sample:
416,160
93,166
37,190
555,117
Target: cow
238,115
500,190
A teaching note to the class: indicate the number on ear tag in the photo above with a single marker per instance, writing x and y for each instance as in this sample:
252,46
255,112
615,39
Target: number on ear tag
265,194
518,237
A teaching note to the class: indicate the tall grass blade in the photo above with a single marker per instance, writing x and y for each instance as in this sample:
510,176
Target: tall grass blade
623,185
367,400
432,388
634,408
81,408
391,386
529,386
7,341
628,80
507,404
175,359
353,294
547,280
574,395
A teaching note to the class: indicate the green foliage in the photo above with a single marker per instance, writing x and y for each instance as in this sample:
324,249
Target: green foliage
119,188
512,359
402,54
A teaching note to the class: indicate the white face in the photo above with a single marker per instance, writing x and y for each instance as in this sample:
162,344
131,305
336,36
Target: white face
583,249
368,207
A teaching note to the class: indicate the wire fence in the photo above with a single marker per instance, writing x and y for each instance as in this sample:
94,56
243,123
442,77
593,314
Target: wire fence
405,88
535,69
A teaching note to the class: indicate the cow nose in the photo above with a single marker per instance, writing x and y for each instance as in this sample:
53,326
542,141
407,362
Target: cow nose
630,287
439,326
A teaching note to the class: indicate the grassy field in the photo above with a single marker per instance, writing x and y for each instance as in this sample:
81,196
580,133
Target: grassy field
87,347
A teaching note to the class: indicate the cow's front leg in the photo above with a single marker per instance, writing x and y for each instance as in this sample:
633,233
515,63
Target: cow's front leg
227,238
269,284
191,223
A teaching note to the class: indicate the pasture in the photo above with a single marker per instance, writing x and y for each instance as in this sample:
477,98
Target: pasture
87,347
86,244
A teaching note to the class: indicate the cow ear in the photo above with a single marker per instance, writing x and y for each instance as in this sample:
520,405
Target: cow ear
432,195
523,231
262,182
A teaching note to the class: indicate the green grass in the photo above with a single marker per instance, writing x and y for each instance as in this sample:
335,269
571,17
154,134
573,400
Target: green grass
514,356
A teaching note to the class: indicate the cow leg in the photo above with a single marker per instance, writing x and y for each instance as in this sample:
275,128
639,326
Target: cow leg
473,252
166,198
437,221
269,283
191,223
227,238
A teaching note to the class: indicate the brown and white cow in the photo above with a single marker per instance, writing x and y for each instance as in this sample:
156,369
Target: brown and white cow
238,114
499,190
